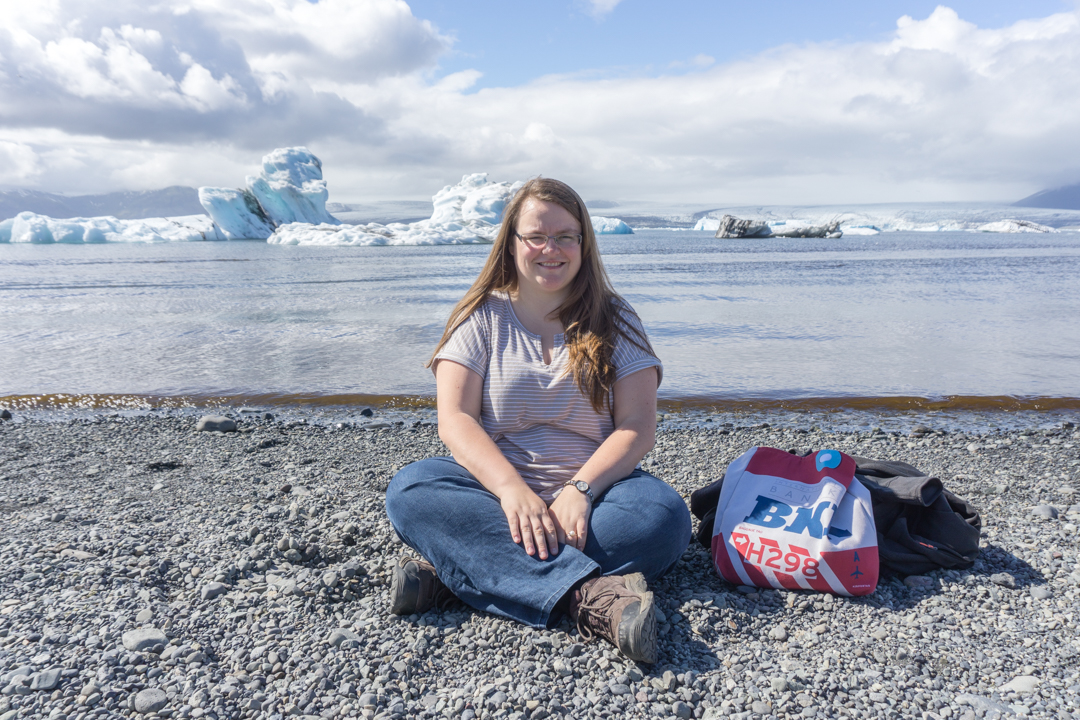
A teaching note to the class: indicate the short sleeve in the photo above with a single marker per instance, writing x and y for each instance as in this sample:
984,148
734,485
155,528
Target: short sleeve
469,345
628,357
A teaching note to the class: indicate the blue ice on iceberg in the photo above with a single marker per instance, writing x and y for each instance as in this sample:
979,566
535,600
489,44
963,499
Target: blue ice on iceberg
290,189
28,227
610,226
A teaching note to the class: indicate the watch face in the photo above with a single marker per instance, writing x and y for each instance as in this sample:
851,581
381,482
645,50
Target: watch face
582,486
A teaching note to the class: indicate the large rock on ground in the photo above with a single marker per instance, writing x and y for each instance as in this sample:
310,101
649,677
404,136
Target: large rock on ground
151,700
215,423
143,639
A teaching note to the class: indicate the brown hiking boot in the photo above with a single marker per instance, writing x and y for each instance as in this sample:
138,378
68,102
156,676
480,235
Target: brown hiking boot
415,588
619,608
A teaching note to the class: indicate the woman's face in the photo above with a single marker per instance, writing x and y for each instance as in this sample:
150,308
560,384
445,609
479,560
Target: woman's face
549,269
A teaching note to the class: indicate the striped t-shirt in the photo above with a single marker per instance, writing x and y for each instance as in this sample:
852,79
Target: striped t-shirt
535,412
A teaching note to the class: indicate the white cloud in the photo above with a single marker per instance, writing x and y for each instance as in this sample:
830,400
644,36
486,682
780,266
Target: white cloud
252,71
942,110
600,8
18,161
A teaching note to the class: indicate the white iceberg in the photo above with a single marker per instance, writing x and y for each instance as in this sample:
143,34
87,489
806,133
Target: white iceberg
610,226
859,229
900,217
290,189
468,212
236,212
1015,226
28,227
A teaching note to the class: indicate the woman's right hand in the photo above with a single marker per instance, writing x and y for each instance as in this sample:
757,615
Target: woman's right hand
530,523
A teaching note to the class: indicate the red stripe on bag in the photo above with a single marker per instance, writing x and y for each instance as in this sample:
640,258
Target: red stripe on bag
788,582
820,584
723,562
745,551
771,461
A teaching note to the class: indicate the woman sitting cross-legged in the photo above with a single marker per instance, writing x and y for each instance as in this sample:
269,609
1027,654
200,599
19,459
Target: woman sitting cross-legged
546,388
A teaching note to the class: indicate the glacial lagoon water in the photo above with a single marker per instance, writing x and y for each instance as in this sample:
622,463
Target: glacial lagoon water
896,320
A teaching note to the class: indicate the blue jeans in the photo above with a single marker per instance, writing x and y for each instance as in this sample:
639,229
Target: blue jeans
640,524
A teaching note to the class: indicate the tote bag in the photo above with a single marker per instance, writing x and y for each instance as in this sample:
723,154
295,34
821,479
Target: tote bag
786,521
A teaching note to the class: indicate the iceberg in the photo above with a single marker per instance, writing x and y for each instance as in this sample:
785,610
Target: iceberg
290,189
610,226
28,227
859,230
1015,226
732,227
798,229
904,217
467,212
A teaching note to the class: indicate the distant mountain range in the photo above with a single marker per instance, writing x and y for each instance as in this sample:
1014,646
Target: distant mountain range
1063,198
129,205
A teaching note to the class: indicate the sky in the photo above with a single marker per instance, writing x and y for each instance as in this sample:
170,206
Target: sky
708,102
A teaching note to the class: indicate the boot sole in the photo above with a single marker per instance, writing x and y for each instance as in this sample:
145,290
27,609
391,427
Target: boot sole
637,639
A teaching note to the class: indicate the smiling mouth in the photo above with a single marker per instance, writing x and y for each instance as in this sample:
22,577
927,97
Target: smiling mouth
551,264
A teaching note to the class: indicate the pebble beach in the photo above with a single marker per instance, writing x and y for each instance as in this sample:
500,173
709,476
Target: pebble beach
148,569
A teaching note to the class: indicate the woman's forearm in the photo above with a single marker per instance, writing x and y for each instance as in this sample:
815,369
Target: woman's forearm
475,451
634,434
615,458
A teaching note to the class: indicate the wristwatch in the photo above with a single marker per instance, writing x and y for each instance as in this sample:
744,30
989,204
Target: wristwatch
582,487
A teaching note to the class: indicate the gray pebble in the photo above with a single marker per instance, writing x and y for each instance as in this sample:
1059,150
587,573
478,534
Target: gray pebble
341,635
1040,592
918,582
1048,512
23,670
212,590
1003,579
215,423
144,616
779,633
5,414
46,679
143,639
1021,684
984,706
150,700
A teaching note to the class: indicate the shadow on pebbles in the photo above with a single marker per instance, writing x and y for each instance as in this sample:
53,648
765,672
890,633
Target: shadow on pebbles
150,570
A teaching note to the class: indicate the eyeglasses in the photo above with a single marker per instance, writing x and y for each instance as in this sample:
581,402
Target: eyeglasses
565,241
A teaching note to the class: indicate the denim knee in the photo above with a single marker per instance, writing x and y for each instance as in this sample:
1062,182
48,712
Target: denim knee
666,513
399,498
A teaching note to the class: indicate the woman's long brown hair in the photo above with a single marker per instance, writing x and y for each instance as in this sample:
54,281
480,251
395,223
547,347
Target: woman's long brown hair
592,314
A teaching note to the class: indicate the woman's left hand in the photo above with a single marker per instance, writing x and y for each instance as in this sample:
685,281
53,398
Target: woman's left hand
571,511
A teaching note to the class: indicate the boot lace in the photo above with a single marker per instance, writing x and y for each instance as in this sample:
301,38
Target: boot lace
594,612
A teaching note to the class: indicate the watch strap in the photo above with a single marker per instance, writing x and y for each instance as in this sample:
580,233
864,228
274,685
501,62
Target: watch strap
576,484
